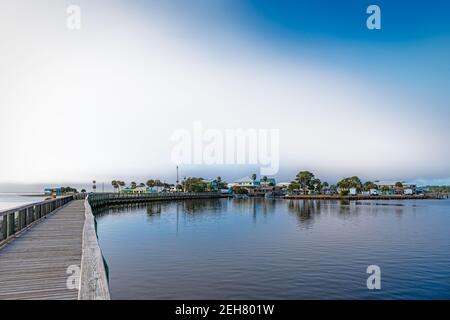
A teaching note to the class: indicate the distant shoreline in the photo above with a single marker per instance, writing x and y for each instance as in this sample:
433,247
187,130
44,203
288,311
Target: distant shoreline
364,197
327,197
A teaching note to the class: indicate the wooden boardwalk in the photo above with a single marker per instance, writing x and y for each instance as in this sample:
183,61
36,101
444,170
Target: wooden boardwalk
34,265
47,242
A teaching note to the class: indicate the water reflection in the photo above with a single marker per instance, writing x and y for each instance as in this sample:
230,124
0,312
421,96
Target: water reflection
305,211
202,206
275,249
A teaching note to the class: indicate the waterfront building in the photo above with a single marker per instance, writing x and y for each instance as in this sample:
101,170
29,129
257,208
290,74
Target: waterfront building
247,182
59,191
270,182
392,189
55,191
283,185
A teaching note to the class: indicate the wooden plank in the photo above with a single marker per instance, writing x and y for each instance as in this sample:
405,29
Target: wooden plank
34,265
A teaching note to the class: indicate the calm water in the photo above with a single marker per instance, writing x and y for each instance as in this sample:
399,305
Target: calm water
277,249
12,200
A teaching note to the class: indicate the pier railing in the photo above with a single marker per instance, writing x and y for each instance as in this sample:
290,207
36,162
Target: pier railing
103,199
15,220
93,276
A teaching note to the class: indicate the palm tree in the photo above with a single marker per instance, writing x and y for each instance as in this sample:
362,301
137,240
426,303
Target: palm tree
254,177
115,185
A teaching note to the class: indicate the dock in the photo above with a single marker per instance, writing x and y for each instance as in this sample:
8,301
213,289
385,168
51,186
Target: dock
36,263
49,250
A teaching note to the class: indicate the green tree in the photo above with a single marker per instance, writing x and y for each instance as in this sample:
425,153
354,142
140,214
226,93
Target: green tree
194,185
254,177
239,190
133,185
316,185
350,182
368,185
304,178
159,183
399,185
293,186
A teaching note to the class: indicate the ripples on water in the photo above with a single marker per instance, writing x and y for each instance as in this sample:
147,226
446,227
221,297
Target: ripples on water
277,249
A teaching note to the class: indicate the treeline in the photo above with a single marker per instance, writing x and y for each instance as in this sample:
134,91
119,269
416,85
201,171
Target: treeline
191,184
194,184
306,182
118,184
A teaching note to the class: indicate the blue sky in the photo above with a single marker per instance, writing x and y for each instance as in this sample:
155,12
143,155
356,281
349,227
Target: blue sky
409,51
347,100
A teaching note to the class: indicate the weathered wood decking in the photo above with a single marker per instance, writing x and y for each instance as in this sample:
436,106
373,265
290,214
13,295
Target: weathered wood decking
35,264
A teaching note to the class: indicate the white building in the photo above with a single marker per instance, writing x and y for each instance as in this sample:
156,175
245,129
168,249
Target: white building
408,191
155,189
246,182
140,190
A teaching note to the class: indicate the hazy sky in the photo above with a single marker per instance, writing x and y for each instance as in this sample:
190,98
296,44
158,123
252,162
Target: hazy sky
102,102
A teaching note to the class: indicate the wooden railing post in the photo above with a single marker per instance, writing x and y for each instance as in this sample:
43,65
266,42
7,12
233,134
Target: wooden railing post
4,234
37,212
29,215
10,224
22,219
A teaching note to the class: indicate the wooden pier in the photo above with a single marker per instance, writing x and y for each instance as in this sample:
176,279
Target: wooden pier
35,264
104,199
49,250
